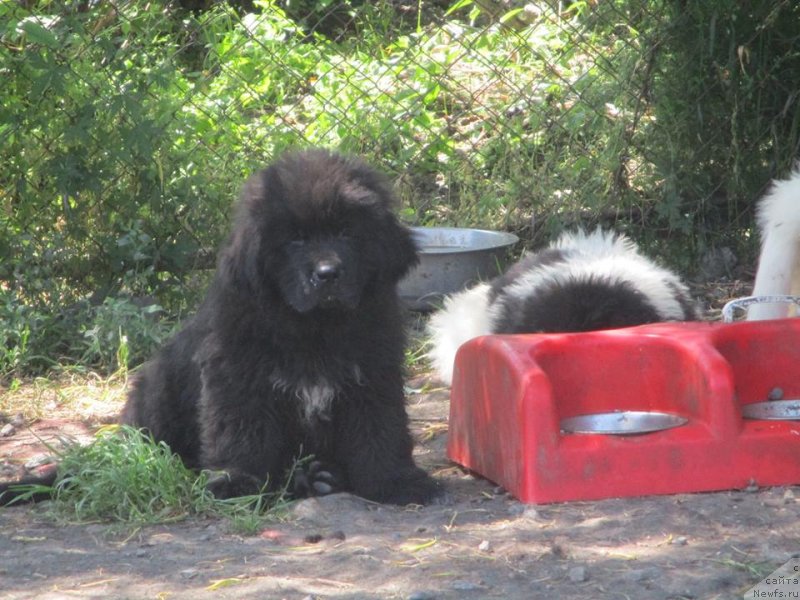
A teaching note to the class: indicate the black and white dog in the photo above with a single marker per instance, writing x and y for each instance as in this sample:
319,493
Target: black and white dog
779,263
582,282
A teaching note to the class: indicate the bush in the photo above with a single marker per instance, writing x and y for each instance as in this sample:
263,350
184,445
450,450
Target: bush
126,130
727,115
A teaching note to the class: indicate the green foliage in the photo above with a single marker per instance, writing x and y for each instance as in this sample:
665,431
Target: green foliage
98,181
126,130
116,334
125,477
727,117
120,333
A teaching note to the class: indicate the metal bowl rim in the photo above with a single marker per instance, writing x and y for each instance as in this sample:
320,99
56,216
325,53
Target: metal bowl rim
753,410
498,239
670,421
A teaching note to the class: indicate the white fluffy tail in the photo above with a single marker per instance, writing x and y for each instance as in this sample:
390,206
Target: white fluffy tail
464,316
779,264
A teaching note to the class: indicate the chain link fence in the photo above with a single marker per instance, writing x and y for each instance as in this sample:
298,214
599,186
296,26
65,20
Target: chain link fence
127,127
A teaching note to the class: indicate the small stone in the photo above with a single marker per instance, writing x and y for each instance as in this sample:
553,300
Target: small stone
679,541
38,461
634,576
515,509
531,514
422,596
577,574
140,553
464,586
308,509
637,575
524,511
18,420
484,546
7,430
211,533
189,573
788,497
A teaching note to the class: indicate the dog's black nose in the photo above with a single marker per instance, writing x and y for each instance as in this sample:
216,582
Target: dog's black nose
326,270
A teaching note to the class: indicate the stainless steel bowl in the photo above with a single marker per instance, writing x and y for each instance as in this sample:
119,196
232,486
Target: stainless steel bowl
625,422
450,259
773,410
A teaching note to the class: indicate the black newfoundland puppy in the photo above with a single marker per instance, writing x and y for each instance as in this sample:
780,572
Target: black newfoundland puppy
297,349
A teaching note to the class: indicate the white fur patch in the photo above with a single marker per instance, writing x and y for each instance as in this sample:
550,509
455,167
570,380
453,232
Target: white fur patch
597,243
779,263
464,316
315,397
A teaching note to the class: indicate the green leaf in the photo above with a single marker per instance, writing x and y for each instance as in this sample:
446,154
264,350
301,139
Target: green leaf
510,15
39,34
457,6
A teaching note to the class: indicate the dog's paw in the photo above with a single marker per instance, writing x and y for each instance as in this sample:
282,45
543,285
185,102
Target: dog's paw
233,484
316,479
423,489
442,498
408,486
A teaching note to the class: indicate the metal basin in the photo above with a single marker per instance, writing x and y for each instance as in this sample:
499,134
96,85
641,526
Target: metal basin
450,259
773,410
622,422
730,315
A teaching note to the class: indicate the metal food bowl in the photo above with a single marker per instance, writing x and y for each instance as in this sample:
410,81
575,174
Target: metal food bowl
625,422
729,314
450,259
773,410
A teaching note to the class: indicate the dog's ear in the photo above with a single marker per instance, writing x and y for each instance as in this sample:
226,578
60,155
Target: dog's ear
400,251
239,262
398,248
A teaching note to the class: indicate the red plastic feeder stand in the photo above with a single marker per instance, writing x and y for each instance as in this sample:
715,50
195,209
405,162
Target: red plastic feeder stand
510,394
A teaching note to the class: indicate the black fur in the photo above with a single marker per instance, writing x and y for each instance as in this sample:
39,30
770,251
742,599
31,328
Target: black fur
45,477
573,306
298,346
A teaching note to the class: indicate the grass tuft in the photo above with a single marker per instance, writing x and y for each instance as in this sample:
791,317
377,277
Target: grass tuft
126,477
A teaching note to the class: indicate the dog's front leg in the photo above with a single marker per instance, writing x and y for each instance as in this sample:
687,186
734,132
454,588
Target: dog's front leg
374,446
245,458
248,450
242,433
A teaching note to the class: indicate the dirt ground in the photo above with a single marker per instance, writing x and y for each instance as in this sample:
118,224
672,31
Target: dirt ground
481,544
